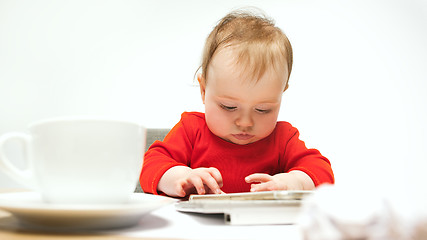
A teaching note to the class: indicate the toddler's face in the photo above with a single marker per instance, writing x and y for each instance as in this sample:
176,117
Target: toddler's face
238,108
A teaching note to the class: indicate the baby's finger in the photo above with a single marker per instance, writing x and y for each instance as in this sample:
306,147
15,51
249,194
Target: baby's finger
180,191
197,182
185,188
217,175
266,186
258,177
210,182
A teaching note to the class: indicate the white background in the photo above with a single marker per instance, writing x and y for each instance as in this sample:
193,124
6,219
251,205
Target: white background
357,91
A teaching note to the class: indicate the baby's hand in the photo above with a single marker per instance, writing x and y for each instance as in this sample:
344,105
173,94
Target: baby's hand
182,181
203,180
294,180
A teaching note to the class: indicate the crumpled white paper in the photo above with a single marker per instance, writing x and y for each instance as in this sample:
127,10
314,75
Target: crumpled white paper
334,213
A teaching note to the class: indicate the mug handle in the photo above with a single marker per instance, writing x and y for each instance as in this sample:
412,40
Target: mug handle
23,176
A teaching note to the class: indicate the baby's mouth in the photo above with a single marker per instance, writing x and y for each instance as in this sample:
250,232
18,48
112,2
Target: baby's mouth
243,136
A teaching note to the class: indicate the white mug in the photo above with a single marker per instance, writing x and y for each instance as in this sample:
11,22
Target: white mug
79,160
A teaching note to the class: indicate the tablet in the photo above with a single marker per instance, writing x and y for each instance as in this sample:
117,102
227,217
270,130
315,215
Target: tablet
267,195
252,208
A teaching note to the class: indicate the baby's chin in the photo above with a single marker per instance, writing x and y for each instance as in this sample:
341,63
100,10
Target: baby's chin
239,141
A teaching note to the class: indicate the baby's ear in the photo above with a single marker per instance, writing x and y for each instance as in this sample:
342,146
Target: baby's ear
202,83
286,87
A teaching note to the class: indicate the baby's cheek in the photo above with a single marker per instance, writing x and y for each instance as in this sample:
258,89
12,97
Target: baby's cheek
267,125
218,123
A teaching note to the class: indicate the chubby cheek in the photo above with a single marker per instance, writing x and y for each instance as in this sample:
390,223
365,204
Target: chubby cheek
216,120
266,125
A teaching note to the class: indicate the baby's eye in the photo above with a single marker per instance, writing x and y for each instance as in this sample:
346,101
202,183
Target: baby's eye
262,110
228,108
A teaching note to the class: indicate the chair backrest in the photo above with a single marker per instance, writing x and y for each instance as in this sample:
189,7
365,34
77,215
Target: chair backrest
153,134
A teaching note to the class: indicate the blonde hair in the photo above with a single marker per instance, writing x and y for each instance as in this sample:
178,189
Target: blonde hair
259,44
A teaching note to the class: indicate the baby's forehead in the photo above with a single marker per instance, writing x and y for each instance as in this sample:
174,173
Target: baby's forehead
248,66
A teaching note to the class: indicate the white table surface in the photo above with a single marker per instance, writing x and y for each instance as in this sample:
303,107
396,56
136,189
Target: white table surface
167,223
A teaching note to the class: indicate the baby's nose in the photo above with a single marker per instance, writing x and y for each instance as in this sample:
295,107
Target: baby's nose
244,121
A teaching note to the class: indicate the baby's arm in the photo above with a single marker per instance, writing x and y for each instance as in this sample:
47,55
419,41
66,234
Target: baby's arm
294,180
180,181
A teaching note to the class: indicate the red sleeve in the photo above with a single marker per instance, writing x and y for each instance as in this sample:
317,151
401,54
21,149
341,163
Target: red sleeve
175,150
309,161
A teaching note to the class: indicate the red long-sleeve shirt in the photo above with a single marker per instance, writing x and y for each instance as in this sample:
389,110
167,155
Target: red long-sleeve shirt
191,143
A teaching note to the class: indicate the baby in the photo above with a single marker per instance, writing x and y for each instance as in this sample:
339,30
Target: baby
237,145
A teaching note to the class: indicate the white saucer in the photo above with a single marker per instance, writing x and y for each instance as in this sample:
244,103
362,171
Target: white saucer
31,211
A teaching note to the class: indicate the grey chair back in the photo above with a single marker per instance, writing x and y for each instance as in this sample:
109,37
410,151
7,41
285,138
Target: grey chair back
153,134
